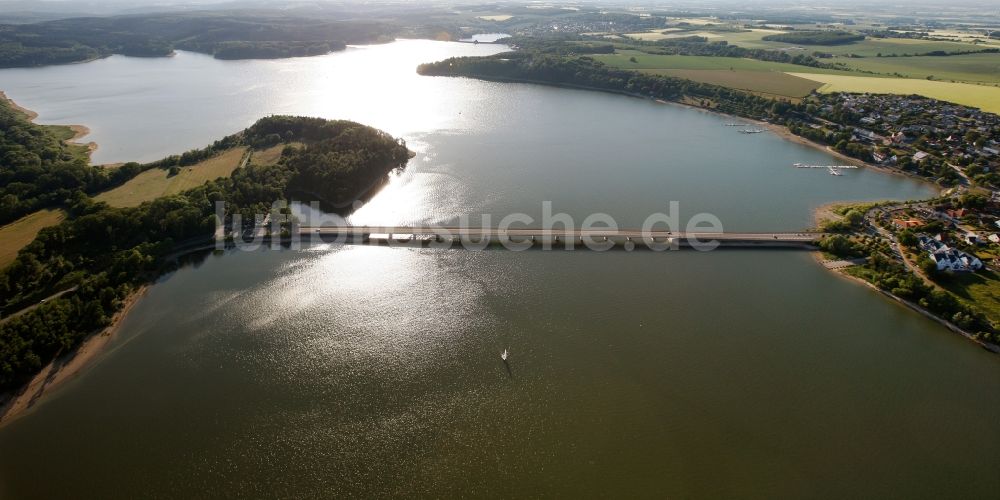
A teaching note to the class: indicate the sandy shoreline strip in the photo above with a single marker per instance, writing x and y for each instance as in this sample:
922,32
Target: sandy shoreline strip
80,131
65,367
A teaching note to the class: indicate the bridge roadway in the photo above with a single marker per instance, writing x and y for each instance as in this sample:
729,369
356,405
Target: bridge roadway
476,235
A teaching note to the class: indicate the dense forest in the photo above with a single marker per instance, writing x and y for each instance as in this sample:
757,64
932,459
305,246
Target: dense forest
816,37
102,254
38,169
340,162
222,35
589,73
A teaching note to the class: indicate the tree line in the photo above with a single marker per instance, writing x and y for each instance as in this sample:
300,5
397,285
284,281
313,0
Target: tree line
225,36
39,170
107,252
889,275
816,37
589,73
584,71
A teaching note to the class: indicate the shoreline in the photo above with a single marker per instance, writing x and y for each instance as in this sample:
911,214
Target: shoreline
827,209
825,212
17,107
79,131
784,132
779,130
915,308
66,367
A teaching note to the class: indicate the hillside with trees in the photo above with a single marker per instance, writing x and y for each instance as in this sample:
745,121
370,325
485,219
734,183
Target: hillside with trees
103,254
585,72
225,36
38,169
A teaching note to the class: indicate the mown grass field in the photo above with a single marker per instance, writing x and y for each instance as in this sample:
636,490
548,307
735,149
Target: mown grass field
156,182
17,234
269,156
980,96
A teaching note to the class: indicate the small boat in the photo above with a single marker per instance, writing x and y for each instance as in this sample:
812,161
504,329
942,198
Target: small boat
503,355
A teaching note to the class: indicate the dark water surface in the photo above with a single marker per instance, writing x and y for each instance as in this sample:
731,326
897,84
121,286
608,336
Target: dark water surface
376,371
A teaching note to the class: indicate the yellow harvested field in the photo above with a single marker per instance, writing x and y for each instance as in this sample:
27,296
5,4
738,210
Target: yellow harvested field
649,36
696,21
17,234
156,182
666,35
983,97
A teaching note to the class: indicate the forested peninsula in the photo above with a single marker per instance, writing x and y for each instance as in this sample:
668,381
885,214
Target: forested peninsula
72,279
222,35
586,72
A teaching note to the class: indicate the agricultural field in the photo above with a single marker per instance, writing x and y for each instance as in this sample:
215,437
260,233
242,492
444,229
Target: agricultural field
980,96
644,61
695,21
769,83
973,68
654,35
961,36
898,75
496,17
870,47
770,78
17,234
156,182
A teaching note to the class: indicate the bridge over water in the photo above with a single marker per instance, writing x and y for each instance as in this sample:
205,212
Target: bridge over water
550,237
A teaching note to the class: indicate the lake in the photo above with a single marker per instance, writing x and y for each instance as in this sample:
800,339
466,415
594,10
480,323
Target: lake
374,371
